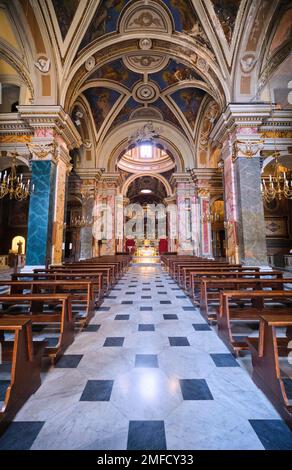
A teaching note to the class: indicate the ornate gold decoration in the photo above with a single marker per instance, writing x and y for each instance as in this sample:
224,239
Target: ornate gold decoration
14,186
276,135
24,139
42,150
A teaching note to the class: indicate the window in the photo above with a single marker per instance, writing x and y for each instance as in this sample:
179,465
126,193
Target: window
146,151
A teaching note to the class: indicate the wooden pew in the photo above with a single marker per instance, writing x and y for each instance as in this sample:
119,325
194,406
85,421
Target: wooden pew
210,289
95,278
25,359
226,273
36,308
229,313
266,351
81,291
107,274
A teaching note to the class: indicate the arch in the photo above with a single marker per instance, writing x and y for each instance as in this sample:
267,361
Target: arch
169,136
14,245
157,176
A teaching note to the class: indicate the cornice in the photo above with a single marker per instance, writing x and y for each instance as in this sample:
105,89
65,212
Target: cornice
240,115
12,124
177,178
51,117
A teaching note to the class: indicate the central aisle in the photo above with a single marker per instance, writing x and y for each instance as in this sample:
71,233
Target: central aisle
148,373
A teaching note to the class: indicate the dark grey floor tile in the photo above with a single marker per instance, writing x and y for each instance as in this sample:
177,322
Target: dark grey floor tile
110,297
146,283
146,309
146,360
288,387
165,302
69,361
4,384
91,328
181,296
170,316
162,292
114,341
224,360
178,341
127,302
146,327
97,390
122,317
146,289
116,288
274,434
160,285
51,342
195,389
132,287
188,309
175,288
130,293
146,435
201,327
146,297
104,309
20,435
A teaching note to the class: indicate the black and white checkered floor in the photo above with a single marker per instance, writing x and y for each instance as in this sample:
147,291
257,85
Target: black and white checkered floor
147,373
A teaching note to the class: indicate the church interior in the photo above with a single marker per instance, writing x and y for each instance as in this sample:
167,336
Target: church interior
146,225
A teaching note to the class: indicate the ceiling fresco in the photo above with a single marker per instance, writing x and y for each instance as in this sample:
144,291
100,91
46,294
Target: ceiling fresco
104,21
189,101
168,115
65,11
125,113
226,11
173,73
117,72
101,101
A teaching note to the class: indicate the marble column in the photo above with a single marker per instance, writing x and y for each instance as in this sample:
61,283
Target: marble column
41,213
251,222
86,236
206,238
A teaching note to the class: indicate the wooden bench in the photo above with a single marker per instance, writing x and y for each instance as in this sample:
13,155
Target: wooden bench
25,359
210,290
197,275
266,351
81,291
106,272
275,302
43,309
95,278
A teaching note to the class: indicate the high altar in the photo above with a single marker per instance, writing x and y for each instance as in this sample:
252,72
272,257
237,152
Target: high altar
146,250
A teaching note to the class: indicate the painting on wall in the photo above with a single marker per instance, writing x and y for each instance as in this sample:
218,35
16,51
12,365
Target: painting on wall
117,72
18,213
65,11
173,73
104,21
277,227
189,101
186,20
226,11
101,101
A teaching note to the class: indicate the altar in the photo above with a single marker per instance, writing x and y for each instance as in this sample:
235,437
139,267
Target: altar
146,253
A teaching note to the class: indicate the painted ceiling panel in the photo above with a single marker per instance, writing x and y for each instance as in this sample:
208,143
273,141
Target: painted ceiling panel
101,101
186,19
167,113
65,11
104,21
226,11
117,72
124,114
189,101
174,73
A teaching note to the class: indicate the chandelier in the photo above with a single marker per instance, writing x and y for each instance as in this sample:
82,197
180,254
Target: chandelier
277,185
81,222
14,186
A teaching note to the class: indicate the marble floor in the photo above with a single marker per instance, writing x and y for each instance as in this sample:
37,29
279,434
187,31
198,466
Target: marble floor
147,373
